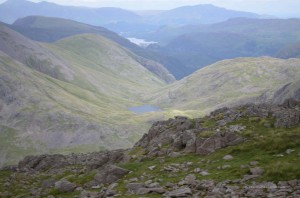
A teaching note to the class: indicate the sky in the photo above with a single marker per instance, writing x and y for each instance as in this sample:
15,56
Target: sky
280,8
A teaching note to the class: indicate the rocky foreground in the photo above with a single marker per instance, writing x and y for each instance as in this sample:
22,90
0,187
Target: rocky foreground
246,151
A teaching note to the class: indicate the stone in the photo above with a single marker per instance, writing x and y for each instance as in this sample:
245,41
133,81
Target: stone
133,179
256,171
110,174
65,186
289,151
190,179
96,187
143,191
148,182
134,187
151,167
181,192
279,155
228,157
204,173
226,166
170,185
153,185
249,177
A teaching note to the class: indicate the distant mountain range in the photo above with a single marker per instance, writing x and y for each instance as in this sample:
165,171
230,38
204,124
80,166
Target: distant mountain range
12,10
120,20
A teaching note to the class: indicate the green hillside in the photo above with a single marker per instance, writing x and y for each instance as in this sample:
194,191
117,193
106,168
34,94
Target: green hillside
83,109
228,82
99,62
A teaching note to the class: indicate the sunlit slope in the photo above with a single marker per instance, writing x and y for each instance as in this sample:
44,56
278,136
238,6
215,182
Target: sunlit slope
228,82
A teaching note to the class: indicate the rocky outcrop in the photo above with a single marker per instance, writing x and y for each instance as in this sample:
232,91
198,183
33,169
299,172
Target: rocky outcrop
186,135
288,91
90,161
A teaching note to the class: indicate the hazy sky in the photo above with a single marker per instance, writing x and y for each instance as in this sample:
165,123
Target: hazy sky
282,8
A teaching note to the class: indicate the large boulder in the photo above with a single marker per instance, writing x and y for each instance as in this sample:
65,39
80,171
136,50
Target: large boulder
206,146
110,174
65,186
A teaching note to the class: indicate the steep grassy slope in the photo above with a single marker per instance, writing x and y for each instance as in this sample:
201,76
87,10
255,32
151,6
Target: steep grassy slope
228,82
41,112
33,54
102,62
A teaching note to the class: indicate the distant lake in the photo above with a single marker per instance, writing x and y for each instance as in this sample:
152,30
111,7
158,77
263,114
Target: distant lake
141,42
144,109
